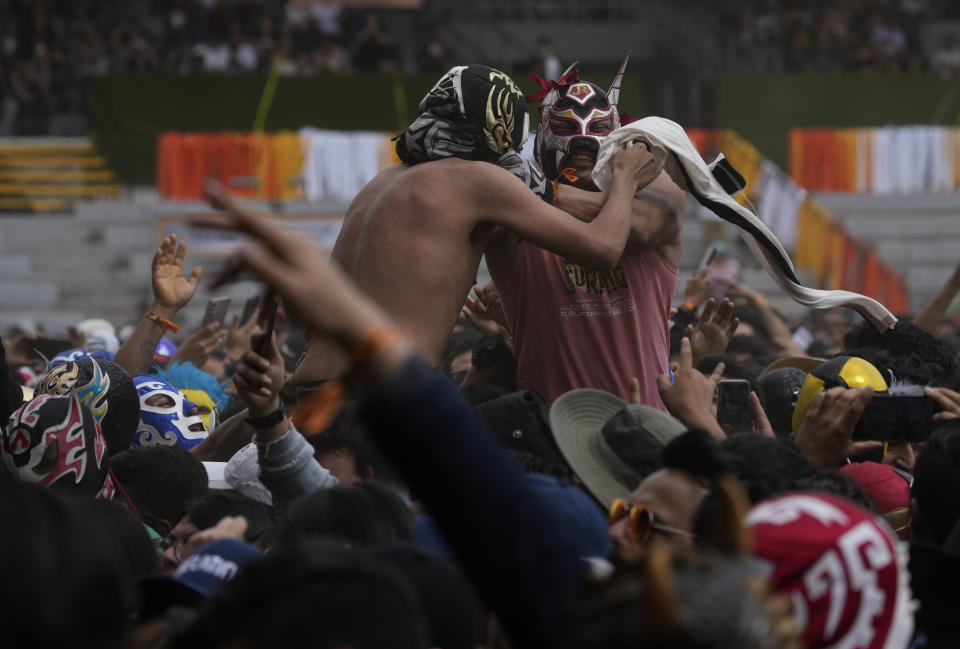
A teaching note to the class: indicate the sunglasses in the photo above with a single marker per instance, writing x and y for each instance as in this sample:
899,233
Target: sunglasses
641,521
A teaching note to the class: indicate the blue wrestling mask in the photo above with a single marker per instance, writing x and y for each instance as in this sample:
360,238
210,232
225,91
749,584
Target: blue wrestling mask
76,354
167,418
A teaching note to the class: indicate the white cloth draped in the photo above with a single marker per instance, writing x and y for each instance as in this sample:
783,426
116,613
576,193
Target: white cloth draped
670,138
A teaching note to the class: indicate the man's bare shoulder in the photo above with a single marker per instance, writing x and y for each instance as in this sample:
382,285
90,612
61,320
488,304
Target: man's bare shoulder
456,170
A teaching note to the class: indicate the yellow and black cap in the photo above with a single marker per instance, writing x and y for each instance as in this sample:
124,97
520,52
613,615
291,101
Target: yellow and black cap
843,372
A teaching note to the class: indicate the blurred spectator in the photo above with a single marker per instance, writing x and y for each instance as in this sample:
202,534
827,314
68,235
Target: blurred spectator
375,49
434,56
50,48
244,52
946,58
214,54
331,57
547,63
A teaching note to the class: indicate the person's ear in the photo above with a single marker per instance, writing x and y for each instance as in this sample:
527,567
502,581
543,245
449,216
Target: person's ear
162,526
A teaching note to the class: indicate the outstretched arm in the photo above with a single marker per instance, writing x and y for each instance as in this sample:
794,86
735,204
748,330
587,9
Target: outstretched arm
171,292
656,212
530,569
929,317
598,244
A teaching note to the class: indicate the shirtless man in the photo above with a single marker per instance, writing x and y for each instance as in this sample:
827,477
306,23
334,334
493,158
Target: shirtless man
413,237
605,326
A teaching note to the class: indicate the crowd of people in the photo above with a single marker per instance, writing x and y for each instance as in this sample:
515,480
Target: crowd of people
50,48
373,457
883,36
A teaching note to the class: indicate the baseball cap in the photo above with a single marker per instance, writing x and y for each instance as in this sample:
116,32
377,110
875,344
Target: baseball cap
842,568
611,445
196,578
888,489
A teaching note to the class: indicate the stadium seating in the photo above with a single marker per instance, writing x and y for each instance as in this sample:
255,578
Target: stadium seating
49,174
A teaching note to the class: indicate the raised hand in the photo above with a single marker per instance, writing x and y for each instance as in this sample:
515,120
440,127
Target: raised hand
229,527
690,397
761,425
238,336
946,400
826,435
713,331
171,290
259,380
485,312
200,344
698,288
315,291
637,163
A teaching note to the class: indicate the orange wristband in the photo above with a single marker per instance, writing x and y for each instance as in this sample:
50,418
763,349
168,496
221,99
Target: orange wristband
688,305
163,323
372,343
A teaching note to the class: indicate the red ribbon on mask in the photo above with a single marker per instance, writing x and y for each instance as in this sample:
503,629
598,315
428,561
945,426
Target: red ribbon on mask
565,79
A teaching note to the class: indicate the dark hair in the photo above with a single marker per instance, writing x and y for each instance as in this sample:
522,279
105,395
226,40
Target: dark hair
765,467
754,316
915,355
60,585
458,343
936,482
450,607
206,511
838,484
128,541
752,346
315,596
362,514
696,453
733,369
160,481
346,434
493,363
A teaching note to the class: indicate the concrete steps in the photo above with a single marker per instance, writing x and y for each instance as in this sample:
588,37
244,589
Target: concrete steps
95,262
919,234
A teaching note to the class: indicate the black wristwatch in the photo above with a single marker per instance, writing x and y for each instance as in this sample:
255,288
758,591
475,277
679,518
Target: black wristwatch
270,420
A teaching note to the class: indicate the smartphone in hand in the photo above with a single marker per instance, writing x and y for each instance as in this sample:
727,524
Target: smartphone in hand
734,412
216,310
268,315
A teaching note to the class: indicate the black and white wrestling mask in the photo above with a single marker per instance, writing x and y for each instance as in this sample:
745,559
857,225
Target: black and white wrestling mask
575,116
473,112
56,441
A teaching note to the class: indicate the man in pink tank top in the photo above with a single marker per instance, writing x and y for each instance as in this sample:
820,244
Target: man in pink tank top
576,327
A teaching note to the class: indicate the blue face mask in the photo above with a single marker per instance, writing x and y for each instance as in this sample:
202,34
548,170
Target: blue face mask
164,416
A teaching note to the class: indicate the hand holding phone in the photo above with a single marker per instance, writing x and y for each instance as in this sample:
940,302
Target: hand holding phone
734,410
216,310
268,315
889,418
